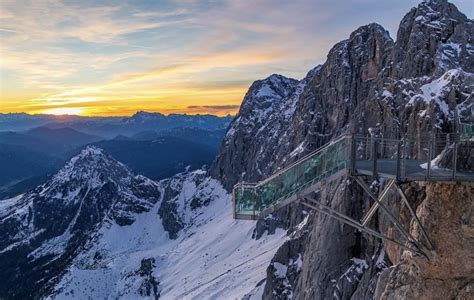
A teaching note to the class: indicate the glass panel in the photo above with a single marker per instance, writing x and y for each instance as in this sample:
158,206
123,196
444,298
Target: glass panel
466,131
304,173
244,200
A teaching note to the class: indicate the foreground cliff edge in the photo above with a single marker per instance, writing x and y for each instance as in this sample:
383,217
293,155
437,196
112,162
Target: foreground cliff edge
97,230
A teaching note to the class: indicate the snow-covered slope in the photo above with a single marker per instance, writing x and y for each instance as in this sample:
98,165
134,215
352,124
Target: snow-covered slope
96,231
213,257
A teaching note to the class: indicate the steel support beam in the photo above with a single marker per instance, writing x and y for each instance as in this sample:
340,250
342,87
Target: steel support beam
392,218
413,214
376,205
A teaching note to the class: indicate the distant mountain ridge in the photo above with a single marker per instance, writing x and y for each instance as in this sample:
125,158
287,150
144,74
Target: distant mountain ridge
33,146
108,127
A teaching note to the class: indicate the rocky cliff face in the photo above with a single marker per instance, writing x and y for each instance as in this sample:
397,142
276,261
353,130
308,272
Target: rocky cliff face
449,274
369,85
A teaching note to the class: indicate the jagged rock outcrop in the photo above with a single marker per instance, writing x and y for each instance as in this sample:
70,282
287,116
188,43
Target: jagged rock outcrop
449,272
429,36
183,194
262,116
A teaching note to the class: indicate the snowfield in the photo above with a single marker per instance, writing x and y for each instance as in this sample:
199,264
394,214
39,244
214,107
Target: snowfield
214,257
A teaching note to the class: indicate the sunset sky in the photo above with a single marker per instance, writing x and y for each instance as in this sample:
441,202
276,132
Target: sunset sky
105,58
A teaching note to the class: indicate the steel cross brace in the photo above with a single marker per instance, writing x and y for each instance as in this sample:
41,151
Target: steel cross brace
329,211
392,218
415,217
376,205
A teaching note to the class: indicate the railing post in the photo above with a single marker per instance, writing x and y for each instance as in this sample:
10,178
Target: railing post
374,157
352,155
448,138
234,204
399,150
428,170
455,154
254,196
406,148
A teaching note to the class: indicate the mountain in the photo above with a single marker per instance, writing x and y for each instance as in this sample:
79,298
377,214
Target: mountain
27,158
46,140
22,121
109,127
43,230
185,244
96,230
22,168
63,137
145,121
156,154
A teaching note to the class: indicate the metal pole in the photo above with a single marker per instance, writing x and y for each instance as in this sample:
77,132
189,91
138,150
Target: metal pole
374,157
254,196
455,154
392,218
399,149
324,209
234,204
412,212
374,207
353,154
406,144
428,170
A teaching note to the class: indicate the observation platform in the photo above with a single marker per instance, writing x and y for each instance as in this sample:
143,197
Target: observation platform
442,157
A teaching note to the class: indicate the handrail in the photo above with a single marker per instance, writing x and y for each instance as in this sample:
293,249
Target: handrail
303,159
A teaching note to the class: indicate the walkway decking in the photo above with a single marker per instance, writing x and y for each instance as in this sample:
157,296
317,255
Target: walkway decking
387,168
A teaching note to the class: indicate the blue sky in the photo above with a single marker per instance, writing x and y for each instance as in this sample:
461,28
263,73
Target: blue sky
116,57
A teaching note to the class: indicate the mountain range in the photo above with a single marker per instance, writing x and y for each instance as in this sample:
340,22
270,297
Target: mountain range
171,143
109,127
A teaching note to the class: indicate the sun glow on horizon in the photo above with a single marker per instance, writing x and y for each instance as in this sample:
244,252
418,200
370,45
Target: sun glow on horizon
113,58
64,111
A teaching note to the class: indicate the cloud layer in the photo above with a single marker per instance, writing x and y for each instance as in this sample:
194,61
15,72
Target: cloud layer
113,58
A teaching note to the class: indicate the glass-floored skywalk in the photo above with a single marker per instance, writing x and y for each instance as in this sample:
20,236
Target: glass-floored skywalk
442,157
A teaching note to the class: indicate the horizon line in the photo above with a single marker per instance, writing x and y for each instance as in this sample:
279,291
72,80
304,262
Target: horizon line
117,116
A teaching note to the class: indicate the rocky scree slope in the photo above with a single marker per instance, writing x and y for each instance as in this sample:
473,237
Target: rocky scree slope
369,84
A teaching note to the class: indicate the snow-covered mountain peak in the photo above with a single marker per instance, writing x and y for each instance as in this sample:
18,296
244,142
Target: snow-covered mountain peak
89,151
274,87
437,14
54,221
92,167
372,28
